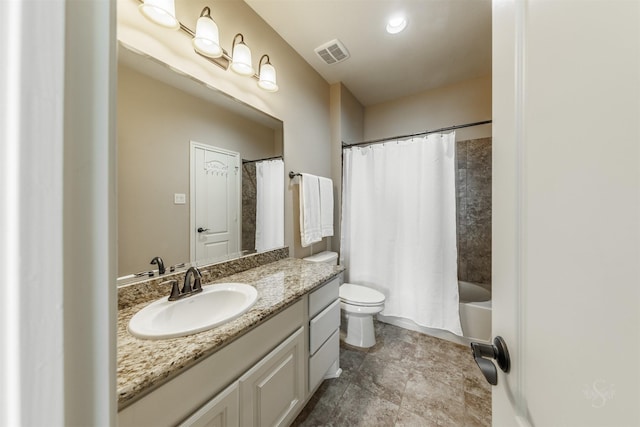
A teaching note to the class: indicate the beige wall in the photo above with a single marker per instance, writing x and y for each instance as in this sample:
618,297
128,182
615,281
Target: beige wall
351,116
347,124
302,102
156,123
465,102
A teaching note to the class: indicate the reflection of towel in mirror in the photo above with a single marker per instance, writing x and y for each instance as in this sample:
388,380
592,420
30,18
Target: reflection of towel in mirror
310,227
326,206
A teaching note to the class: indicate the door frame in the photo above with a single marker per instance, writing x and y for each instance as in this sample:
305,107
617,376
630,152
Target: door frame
192,198
508,198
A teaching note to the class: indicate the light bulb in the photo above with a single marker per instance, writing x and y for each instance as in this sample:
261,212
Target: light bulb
396,24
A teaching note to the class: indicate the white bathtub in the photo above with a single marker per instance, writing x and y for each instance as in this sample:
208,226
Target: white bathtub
475,317
475,311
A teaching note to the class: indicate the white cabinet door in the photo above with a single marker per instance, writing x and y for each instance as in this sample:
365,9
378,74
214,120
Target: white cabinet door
273,390
222,411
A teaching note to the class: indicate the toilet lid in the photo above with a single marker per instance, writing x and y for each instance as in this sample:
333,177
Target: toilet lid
360,295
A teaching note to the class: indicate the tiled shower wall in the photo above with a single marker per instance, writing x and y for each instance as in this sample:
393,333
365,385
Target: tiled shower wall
249,206
473,203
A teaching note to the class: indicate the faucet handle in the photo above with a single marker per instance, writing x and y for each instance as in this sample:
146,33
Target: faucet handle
175,290
149,273
173,267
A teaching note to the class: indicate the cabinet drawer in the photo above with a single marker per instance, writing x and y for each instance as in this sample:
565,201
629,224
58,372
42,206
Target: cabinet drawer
323,325
320,362
324,296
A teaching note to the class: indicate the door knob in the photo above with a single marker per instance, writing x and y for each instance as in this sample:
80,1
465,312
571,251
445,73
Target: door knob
497,351
202,230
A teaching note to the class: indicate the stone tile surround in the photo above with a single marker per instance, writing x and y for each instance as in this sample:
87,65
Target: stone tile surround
249,200
473,203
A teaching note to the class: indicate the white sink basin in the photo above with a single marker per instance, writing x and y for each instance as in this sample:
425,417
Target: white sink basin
215,305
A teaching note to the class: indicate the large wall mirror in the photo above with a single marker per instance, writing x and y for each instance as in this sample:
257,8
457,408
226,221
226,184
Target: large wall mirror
162,115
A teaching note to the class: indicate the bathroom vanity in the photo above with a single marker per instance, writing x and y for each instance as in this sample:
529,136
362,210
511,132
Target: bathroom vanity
259,369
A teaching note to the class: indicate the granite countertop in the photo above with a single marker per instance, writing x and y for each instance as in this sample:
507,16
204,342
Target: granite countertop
145,364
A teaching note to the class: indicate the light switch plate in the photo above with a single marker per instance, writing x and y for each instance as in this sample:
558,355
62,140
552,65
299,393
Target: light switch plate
179,199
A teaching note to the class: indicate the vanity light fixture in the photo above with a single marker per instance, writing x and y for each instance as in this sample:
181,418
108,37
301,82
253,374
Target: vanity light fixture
206,42
267,73
161,12
241,57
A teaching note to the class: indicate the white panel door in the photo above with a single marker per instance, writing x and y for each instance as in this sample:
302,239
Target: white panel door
215,203
566,211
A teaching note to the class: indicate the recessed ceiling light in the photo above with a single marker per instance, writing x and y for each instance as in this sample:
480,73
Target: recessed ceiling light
396,24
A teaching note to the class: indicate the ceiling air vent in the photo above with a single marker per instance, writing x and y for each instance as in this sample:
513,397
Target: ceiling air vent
332,52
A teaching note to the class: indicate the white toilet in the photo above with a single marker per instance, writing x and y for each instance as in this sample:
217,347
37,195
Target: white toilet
358,303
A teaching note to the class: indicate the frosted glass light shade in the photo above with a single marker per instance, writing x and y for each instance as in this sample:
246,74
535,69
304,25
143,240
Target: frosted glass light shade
207,39
241,61
268,78
161,12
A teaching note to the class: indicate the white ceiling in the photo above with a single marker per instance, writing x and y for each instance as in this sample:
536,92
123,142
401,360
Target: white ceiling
446,41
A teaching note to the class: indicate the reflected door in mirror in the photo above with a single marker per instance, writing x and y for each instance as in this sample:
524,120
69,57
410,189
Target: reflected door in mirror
215,178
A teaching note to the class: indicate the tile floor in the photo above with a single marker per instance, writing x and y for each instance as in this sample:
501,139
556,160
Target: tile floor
406,379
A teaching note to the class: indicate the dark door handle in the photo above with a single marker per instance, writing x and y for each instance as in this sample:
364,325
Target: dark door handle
497,351
202,230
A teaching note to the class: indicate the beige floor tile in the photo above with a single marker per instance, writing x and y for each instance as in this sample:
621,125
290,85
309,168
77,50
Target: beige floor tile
359,407
406,379
409,419
384,379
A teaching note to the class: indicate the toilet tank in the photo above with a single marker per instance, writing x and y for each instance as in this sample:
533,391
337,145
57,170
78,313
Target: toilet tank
325,257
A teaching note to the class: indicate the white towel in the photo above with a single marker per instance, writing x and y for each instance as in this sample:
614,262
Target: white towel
310,227
326,206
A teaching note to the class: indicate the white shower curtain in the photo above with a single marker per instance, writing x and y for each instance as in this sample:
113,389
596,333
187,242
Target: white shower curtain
269,204
399,227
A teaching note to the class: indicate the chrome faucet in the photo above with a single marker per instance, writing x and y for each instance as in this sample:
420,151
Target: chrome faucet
187,288
157,260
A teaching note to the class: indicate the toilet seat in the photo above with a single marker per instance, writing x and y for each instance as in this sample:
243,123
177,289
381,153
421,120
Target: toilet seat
361,296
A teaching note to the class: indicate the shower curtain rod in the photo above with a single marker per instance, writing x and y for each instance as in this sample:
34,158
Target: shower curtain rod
261,160
427,132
